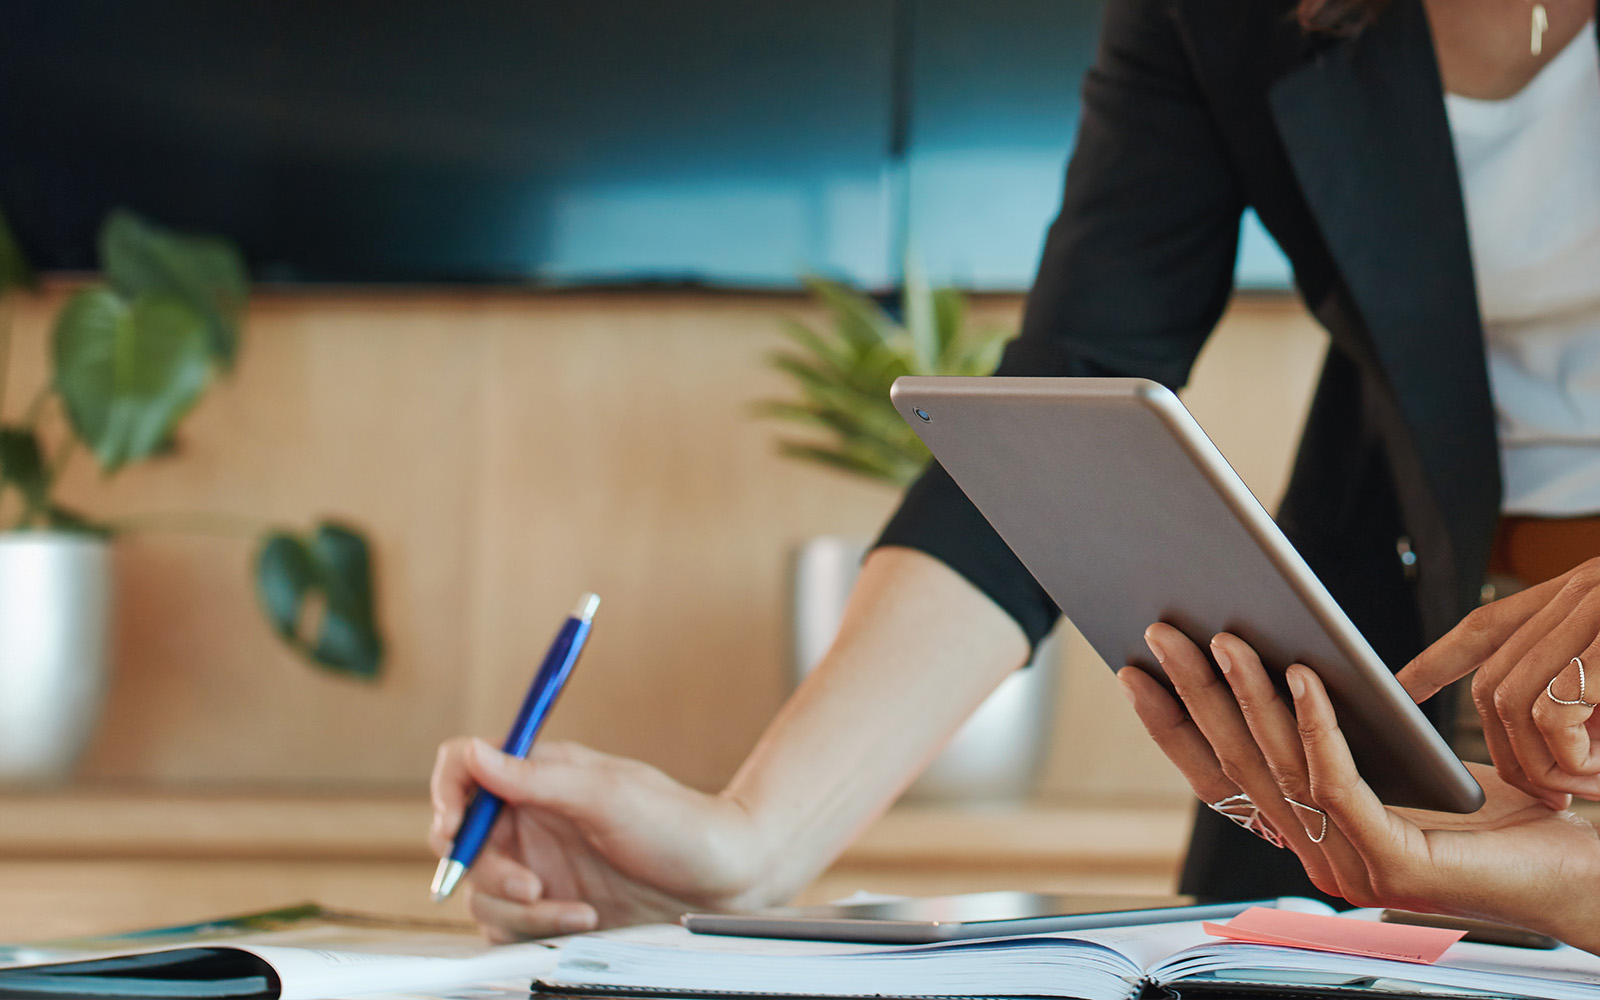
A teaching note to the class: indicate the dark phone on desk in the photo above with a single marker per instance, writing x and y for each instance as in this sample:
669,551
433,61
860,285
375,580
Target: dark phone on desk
1484,931
950,918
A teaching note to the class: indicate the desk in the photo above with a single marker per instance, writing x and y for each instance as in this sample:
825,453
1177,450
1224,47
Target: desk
88,861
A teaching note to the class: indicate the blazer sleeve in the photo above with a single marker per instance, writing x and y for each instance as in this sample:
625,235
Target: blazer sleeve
1136,271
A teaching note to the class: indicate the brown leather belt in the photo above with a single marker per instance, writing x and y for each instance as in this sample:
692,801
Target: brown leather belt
1534,549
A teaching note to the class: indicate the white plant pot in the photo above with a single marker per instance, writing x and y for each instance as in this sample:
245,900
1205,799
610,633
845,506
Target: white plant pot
55,629
997,754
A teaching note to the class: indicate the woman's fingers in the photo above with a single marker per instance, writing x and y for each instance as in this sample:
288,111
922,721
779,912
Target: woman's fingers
1564,714
1521,646
1473,641
1269,720
1215,711
1524,706
1332,863
505,920
1175,733
508,901
496,874
1508,682
1492,676
449,786
1210,703
1383,842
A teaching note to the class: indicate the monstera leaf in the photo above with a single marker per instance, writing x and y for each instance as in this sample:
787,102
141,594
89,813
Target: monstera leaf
204,272
317,592
127,371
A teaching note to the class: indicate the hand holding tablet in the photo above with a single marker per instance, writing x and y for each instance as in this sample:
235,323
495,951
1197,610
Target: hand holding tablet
1136,518
1515,860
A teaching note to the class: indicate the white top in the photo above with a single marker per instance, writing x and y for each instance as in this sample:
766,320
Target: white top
1530,170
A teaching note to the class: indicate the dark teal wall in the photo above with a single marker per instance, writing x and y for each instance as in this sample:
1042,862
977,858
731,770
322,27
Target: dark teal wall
711,141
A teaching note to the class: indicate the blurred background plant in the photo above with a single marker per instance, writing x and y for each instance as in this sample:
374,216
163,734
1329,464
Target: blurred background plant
131,355
841,373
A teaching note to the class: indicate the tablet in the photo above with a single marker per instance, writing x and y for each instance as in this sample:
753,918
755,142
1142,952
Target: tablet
1126,513
954,918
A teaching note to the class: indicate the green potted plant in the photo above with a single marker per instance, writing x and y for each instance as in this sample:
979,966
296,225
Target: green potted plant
131,356
840,375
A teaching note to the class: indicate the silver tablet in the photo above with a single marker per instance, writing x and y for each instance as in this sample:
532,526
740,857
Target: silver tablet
956,918
1135,518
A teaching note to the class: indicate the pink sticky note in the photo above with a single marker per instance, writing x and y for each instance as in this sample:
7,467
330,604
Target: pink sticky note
1345,935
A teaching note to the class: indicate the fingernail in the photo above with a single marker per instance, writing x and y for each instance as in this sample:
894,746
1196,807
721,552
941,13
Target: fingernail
576,922
1127,690
1224,663
1159,650
1297,684
525,890
486,754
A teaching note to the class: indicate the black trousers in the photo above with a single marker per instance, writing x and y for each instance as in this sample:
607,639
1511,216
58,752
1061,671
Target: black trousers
1227,862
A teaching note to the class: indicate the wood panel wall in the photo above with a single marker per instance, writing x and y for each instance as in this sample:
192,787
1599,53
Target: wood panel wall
507,451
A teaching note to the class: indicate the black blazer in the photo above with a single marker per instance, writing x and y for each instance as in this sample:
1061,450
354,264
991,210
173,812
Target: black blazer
1194,110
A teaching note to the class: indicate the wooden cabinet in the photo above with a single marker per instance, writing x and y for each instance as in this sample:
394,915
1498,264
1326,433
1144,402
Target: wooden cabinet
84,862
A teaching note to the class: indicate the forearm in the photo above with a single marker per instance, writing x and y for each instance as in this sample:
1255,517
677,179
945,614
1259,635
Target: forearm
918,650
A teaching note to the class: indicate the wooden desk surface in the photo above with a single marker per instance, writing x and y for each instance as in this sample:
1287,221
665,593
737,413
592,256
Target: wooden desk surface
92,861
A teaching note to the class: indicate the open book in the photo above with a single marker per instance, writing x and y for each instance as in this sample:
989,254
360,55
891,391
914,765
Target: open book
300,952
1105,964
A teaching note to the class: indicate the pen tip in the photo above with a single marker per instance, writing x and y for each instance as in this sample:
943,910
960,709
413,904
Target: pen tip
587,604
446,878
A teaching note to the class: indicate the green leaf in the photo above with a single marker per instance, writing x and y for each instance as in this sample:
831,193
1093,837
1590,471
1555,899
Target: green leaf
858,319
204,272
22,466
984,357
841,375
921,322
808,340
128,372
15,271
332,572
950,316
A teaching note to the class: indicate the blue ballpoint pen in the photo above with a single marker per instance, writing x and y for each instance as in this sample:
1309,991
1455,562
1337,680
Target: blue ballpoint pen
485,808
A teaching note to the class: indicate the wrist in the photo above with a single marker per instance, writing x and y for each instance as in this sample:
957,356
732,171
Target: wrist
767,869
1573,920
1581,929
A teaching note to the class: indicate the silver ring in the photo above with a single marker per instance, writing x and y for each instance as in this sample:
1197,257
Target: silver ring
1239,808
1321,834
1582,686
1244,813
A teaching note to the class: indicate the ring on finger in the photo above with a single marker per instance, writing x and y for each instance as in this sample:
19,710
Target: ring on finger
1549,689
1244,813
1320,834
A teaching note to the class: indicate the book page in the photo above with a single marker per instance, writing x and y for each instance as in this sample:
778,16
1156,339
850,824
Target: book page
346,966
1148,944
502,989
1558,974
670,958
316,953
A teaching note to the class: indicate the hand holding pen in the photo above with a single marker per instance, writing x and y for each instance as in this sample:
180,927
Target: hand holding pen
588,839
484,808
